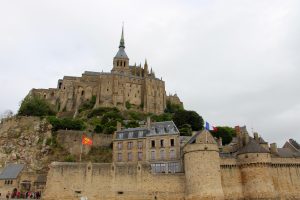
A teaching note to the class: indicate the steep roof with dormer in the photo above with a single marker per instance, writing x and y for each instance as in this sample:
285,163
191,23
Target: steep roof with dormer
252,147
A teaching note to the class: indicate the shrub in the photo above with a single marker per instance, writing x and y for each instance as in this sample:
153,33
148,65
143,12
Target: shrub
162,117
66,123
98,128
226,133
70,158
110,130
101,111
35,106
192,118
132,124
128,105
88,104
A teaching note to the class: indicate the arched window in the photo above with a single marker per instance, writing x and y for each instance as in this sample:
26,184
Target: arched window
117,63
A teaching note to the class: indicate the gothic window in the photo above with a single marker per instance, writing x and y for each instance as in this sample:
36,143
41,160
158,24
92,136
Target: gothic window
45,96
117,63
82,93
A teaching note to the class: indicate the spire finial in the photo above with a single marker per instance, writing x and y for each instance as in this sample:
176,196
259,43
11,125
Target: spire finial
122,42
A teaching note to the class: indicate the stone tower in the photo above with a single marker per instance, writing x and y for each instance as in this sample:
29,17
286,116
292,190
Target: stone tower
121,60
255,165
202,168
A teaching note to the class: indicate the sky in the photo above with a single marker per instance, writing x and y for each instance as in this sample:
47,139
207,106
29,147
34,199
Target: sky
235,62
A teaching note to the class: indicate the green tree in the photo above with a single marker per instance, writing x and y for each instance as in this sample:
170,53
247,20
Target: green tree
132,124
192,118
35,106
172,108
185,130
66,123
162,117
225,132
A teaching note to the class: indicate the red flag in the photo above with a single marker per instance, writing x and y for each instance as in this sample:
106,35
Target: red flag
86,140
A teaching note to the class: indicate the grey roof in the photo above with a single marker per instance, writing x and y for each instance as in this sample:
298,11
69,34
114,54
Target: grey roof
162,128
262,141
287,153
252,147
157,128
42,178
295,144
121,53
11,171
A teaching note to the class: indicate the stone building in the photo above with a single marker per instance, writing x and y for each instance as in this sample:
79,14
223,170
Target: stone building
126,86
247,168
158,143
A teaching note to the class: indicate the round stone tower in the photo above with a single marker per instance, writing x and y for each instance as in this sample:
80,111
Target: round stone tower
255,163
202,168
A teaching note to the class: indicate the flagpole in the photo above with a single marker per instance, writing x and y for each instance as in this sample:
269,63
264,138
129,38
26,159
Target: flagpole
81,147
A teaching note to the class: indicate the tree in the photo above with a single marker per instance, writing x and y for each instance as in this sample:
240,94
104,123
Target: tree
182,117
172,108
225,132
35,106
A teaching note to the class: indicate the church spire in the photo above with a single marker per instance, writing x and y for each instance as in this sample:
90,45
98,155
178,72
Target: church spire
122,42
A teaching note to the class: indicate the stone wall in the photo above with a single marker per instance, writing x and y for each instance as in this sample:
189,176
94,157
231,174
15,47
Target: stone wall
71,141
111,181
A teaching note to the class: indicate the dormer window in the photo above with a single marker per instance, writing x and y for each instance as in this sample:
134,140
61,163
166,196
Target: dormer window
130,134
141,133
120,135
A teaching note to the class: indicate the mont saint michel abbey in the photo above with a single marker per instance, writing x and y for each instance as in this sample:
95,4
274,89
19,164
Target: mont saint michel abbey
125,85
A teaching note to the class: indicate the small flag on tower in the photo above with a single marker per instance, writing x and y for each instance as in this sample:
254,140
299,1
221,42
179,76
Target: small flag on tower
209,127
86,140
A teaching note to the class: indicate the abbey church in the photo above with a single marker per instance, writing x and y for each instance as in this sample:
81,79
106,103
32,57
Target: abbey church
125,86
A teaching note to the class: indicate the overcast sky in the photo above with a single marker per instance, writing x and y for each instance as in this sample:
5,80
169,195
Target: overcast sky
234,62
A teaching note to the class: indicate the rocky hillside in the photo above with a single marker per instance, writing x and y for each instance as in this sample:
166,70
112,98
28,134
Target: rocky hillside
24,140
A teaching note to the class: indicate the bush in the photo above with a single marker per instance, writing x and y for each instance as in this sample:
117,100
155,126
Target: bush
70,158
109,130
132,124
88,104
128,105
192,118
172,108
98,128
226,133
162,117
101,111
35,106
66,123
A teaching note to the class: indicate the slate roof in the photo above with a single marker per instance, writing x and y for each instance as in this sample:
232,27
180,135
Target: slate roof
285,153
121,53
204,137
157,128
11,171
252,147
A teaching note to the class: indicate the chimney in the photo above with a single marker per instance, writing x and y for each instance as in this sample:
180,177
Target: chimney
148,122
220,142
273,148
119,126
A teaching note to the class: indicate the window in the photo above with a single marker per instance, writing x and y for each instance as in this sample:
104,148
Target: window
129,156
130,135
140,144
161,143
140,155
82,93
174,167
120,145
172,154
141,133
119,157
172,142
129,145
152,143
120,135
152,155
162,154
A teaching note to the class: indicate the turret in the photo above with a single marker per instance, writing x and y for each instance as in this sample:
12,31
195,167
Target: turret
255,165
202,168
146,71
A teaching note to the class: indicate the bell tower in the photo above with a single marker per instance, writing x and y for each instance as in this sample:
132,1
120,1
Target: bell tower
121,60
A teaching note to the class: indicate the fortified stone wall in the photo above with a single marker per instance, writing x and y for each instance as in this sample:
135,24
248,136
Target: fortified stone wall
111,181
